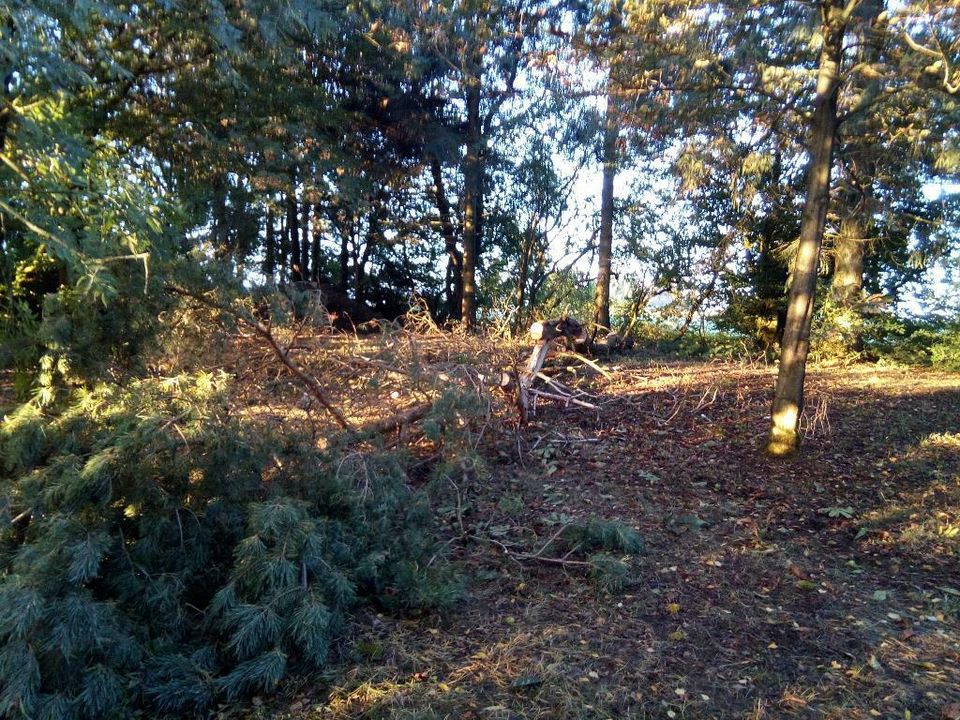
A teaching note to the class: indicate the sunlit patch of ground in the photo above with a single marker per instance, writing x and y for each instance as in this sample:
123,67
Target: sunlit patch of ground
823,586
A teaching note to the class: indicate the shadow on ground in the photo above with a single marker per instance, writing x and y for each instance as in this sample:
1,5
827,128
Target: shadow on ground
824,586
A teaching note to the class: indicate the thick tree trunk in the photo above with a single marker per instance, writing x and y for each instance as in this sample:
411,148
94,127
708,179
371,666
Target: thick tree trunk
601,301
846,288
472,204
788,395
847,285
374,239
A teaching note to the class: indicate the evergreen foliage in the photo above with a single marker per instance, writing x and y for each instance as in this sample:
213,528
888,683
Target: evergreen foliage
154,552
608,535
610,543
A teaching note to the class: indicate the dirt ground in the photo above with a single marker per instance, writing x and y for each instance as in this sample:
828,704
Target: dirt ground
823,586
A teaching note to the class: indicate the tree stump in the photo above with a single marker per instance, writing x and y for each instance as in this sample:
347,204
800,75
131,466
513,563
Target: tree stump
544,333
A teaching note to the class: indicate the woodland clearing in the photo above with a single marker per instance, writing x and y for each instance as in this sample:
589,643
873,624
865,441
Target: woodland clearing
826,585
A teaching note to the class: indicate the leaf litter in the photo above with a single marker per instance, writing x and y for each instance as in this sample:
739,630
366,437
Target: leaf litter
824,586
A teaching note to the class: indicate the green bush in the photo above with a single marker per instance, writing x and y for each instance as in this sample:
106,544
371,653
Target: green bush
945,351
837,334
925,341
712,344
157,552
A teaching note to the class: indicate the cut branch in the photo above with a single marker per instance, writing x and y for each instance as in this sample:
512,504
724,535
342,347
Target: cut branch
545,333
404,417
310,383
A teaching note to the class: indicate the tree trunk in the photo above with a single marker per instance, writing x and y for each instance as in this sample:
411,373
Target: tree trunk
454,283
472,203
293,231
305,240
847,285
270,259
343,275
601,301
315,260
220,234
282,250
846,288
788,395
374,239
523,275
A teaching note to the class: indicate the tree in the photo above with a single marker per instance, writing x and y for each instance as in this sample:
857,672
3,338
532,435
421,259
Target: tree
609,156
601,310
788,394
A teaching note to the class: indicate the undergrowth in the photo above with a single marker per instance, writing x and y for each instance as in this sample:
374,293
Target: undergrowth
158,552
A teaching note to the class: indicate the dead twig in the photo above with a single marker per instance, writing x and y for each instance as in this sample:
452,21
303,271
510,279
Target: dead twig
586,361
566,399
404,417
310,383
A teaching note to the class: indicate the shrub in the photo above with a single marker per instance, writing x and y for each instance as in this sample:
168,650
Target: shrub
945,351
156,551
924,341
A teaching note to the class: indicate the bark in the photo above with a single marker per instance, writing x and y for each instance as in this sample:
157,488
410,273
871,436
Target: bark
788,394
282,250
523,275
454,256
343,275
846,288
5,116
472,204
374,238
221,232
270,258
847,285
601,301
293,232
315,260
305,240
544,333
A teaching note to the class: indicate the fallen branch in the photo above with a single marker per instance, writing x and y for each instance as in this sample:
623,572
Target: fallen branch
544,333
310,383
587,361
531,557
405,417
562,398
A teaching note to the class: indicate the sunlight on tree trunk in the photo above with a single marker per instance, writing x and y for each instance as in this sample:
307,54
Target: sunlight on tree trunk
788,395
847,285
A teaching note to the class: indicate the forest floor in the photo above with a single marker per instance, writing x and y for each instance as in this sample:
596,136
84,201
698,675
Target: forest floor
823,586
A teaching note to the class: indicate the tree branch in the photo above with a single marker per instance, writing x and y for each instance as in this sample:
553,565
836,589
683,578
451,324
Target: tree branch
310,383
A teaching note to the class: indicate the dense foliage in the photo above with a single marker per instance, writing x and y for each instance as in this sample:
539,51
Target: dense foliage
157,551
